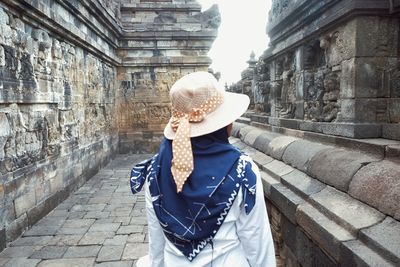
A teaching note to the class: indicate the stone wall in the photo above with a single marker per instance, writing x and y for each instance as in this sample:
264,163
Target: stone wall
331,201
332,67
163,40
325,128
81,81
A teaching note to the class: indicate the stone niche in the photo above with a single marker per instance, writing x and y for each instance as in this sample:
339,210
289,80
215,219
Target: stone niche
333,67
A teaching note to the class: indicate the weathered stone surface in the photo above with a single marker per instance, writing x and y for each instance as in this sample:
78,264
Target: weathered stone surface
110,253
262,141
299,153
378,184
302,183
385,236
82,262
337,167
349,212
251,136
82,252
244,131
324,232
276,169
49,252
278,145
285,200
134,251
355,253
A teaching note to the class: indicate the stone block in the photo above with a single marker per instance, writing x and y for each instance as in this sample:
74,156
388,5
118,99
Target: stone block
301,183
110,253
267,181
391,131
82,252
345,210
3,242
21,262
337,167
244,131
385,238
82,262
134,251
251,136
276,169
357,254
262,141
278,145
19,252
304,248
236,128
260,158
49,252
24,203
323,231
286,201
378,185
353,130
299,153
95,238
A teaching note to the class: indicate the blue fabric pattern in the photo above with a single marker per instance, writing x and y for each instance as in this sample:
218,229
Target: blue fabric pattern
191,219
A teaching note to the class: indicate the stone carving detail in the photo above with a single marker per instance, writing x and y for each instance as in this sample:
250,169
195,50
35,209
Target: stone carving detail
210,19
262,87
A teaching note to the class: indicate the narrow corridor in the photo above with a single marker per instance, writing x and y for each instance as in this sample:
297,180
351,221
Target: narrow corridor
100,224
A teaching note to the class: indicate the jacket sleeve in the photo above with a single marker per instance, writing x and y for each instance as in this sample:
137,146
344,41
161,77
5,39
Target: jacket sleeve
156,235
254,230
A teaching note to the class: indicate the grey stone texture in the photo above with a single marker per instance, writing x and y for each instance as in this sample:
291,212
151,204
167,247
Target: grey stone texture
330,198
98,242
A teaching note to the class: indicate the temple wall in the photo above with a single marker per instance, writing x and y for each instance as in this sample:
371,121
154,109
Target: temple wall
81,81
57,100
324,129
162,41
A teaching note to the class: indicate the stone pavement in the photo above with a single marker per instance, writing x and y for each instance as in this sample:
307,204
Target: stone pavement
101,224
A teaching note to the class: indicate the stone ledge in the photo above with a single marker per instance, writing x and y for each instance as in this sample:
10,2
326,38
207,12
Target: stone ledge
335,221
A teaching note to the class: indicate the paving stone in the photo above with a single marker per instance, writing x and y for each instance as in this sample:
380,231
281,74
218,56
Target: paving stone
116,240
31,241
65,240
97,215
116,264
76,215
95,238
82,252
267,181
348,211
134,251
84,223
21,262
41,230
138,220
72,231
19,252
110,253
82,262
385,236
136,238
130,229
104,227
123,220
49,252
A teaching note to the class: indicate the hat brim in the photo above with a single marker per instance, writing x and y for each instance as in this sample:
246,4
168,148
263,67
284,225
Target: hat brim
232,108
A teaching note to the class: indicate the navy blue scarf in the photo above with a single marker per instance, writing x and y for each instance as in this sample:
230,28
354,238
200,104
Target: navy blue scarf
191,219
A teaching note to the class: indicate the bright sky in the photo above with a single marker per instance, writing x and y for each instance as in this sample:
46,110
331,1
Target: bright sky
242,30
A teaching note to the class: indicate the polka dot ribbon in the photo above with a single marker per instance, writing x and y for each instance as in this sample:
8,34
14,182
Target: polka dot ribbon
182,162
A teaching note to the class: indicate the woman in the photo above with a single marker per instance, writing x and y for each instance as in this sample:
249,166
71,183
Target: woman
204,198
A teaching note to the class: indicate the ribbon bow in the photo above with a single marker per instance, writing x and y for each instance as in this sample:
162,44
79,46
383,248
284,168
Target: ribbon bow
182,161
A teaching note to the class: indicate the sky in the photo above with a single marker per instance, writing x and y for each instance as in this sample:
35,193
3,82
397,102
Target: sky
242,30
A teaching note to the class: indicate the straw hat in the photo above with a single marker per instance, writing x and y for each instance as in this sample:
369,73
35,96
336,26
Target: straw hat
208,106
